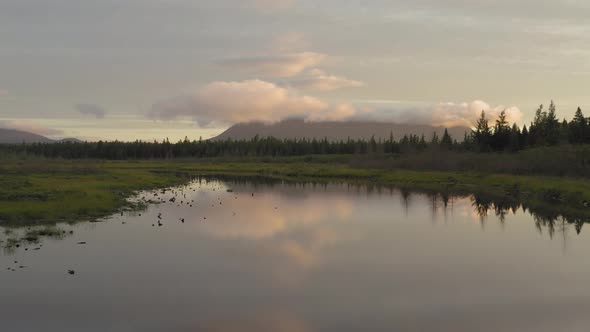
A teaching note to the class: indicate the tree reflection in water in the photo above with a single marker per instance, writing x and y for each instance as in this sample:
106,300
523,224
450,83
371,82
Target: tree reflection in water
548,218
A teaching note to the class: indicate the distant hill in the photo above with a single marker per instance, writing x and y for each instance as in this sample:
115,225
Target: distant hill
335,131
71,139
19,136
13,136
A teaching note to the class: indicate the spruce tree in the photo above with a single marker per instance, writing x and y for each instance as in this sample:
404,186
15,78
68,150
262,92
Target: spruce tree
482,133
446,141
552,127
578,128
501,136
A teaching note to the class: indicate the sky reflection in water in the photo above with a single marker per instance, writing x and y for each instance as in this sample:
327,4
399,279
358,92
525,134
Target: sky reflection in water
286,257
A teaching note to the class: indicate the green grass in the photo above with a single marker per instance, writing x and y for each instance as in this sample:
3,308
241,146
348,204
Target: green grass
34,235
51,191
33,192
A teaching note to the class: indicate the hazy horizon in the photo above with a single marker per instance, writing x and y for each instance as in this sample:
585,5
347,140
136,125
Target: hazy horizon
149,70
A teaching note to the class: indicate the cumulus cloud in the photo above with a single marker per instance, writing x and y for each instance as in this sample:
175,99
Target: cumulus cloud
286,65
466,114
318,80
223,103
91,110
446,114
247,101
29,126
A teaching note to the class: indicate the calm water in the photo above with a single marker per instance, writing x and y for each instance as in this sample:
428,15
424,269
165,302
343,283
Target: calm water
300,258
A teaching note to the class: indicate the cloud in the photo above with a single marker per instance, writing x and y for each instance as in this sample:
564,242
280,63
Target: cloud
466,114
318,80
222,103
286,65
29,126
290,42
247,101
257,224
274,5
445,114
340,112
289,240
91,110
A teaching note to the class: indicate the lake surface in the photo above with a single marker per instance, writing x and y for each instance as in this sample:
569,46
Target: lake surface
257,256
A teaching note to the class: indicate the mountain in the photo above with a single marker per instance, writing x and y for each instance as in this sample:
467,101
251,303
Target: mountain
19,136
13,136
335,131
71,140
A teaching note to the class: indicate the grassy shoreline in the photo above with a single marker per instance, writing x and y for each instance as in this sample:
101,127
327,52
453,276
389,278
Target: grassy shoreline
33,192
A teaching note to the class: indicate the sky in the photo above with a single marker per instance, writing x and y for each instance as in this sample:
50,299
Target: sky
151,69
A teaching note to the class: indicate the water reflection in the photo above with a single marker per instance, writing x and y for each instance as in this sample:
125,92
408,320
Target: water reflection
234,254
545,215
265,321
251,223
31,237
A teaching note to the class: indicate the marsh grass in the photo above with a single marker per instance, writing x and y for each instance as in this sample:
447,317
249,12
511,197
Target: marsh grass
50,191
32,235
35,235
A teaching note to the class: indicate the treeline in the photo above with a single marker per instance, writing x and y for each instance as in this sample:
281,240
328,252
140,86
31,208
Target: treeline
255,147
545,130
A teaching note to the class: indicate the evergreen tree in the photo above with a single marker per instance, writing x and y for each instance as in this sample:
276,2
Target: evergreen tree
578,128
446,142
524,137
501,136
536,129
434,140
564,132
545,129
422,143
514,143
552,127
482,133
